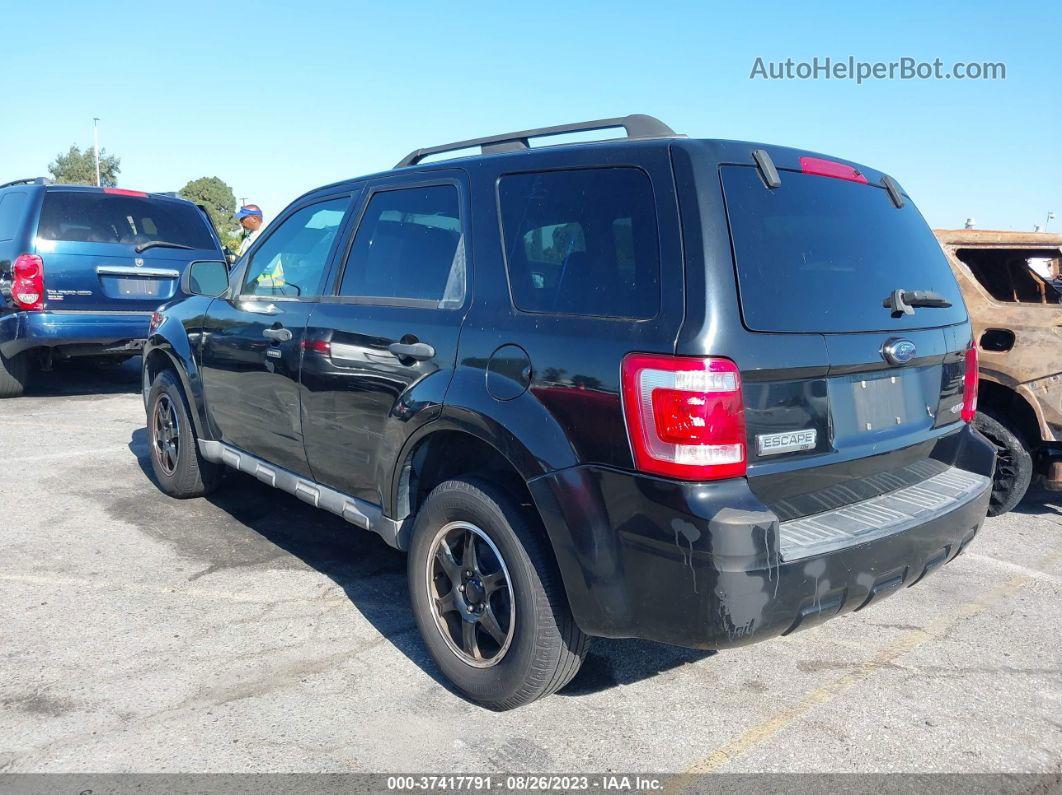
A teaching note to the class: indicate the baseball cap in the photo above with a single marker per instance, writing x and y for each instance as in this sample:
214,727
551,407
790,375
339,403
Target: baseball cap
247,210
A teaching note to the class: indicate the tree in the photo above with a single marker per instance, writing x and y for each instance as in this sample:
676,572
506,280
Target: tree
79,168
220,202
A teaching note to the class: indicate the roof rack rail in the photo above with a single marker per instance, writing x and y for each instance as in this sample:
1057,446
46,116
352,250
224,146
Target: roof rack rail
28,181
637,125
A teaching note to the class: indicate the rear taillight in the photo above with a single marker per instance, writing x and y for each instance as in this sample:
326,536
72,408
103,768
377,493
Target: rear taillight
124,192
969,386
27,289
685,416
323,347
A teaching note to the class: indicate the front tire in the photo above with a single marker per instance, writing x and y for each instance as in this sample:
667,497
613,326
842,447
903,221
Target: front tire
14,373
180,470
488,599
1014,464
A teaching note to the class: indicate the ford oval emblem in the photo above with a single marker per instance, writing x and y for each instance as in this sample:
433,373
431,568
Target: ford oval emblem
898,351
138,262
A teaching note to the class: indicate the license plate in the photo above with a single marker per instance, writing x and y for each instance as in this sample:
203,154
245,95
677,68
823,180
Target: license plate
148,288
887,401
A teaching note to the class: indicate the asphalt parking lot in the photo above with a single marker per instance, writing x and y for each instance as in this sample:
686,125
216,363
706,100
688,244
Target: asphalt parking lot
250,632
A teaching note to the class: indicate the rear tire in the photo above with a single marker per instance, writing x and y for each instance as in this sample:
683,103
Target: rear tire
1014,464
14,373
523,643
179,468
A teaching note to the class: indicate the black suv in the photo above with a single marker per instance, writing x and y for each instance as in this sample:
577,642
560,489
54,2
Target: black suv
699,392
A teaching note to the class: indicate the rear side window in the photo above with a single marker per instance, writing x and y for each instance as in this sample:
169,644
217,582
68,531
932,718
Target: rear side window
12,205
1022,276
582,242
819,254
409,245
90,217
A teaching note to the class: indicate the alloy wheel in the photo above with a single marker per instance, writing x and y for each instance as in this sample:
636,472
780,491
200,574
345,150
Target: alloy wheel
471,594
166,433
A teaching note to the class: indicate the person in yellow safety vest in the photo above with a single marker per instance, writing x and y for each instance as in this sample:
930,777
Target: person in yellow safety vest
250,218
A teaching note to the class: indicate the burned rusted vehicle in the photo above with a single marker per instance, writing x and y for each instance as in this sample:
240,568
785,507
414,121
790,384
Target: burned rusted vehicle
1012,284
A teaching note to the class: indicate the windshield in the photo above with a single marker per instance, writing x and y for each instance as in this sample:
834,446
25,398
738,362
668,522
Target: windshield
88,217
819,254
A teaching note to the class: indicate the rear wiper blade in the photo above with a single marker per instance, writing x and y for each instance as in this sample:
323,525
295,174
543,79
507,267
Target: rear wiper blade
903,302
159,243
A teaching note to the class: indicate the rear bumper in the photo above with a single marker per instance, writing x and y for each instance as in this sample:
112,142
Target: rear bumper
95,332
699,564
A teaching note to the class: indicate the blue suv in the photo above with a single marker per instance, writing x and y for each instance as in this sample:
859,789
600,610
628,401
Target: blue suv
82,269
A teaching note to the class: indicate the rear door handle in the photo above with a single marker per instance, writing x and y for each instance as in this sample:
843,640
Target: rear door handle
277,334
421,351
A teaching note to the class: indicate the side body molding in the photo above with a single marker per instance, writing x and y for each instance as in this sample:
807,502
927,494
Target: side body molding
357,512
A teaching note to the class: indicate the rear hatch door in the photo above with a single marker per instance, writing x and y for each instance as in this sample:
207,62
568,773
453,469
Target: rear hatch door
817,257
112,250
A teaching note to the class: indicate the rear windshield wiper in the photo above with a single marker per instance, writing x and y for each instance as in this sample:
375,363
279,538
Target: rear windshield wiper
903,302
159,243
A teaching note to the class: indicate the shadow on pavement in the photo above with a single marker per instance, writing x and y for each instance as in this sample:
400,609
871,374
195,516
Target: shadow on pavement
79,377
1040,502
373,576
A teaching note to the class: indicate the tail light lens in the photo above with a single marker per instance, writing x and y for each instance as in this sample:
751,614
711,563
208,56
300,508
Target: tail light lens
830,168
969,386
685,416
323,347
27,289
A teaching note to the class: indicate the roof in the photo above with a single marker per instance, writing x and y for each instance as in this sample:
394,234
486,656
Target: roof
997,237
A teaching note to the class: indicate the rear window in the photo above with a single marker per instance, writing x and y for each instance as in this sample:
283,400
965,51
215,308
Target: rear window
582,242
87,217
819,254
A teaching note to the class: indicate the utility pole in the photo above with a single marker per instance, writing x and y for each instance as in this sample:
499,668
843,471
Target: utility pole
96,146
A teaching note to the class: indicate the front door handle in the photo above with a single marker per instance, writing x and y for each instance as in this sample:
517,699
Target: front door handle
277,334
421,351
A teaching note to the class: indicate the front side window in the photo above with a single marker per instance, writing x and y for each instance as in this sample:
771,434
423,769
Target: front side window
582,242
291,261
409,245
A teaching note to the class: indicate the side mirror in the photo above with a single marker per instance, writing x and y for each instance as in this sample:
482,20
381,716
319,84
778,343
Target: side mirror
208,277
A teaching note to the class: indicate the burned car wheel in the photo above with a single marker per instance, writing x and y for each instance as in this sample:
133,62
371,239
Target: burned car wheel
1014,465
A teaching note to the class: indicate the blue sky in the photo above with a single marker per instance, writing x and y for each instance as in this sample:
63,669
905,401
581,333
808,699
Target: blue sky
286,96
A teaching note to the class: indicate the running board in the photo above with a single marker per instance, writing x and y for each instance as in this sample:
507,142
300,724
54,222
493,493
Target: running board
358,512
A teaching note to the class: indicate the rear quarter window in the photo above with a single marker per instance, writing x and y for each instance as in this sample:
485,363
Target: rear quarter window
12,208
819,254
582,242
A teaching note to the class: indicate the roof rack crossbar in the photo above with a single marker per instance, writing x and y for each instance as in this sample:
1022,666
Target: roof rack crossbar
28,181
637,125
